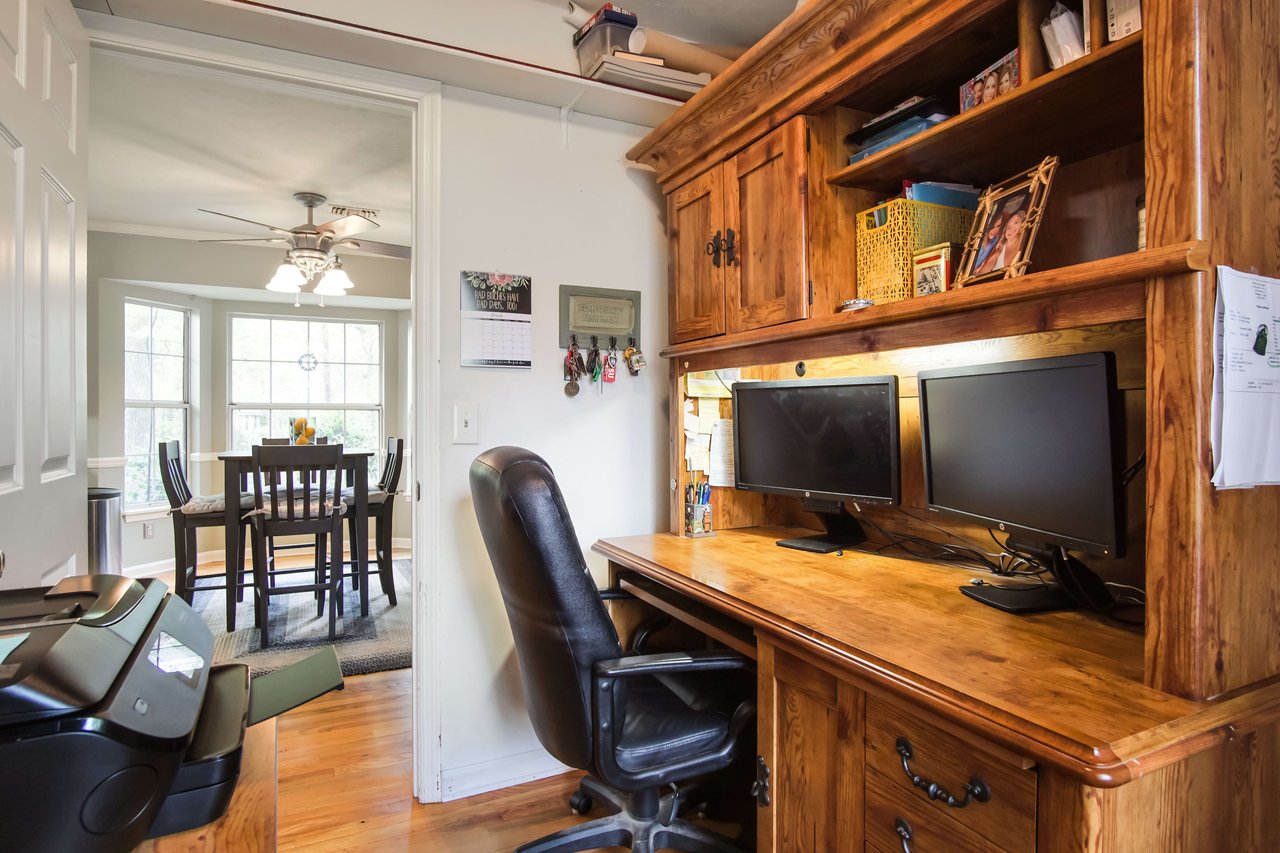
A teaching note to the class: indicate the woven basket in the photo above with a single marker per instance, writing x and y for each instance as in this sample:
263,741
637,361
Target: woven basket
884,251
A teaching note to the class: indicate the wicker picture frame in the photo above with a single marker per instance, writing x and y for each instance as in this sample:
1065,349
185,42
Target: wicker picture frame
1004,229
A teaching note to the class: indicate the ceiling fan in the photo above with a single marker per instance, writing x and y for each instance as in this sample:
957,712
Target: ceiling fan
312,249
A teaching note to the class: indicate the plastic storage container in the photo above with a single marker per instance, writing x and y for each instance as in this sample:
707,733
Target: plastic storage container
105,556
603,39
890,233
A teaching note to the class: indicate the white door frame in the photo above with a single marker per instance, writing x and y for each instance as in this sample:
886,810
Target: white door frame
422,98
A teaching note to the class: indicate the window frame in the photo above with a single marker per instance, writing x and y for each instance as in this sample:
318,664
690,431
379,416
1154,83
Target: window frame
272,407
185,405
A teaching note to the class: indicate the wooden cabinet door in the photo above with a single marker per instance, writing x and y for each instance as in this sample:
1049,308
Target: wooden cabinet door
695,217
810,728
766,206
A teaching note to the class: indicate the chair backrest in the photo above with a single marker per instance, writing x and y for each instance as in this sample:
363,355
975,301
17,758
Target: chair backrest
274,442
173,475
390,479
558,620
311,495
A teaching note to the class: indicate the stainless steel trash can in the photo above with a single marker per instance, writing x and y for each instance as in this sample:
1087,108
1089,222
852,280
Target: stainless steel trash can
105,556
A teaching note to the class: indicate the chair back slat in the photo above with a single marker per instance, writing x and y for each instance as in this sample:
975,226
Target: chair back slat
301,482
172,475
390,479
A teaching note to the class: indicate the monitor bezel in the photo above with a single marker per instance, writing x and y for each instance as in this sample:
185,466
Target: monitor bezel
1103,361
890,381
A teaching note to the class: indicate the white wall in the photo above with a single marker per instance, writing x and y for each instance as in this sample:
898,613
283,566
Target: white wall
516,199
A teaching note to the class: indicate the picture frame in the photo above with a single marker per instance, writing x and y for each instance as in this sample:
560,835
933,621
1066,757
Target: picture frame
1005,226
933,268
999,78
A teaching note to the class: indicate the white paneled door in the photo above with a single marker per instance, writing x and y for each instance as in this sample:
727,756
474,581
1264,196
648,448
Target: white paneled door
44,57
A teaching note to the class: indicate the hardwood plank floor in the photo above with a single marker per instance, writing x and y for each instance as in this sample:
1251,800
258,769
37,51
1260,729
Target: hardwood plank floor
346,771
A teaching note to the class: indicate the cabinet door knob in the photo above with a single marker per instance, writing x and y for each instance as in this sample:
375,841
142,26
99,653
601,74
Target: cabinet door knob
730,250
714,246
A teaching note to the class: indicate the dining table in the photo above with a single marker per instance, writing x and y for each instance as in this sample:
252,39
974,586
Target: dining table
237,467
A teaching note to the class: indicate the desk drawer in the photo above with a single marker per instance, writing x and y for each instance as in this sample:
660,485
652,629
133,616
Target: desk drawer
890,807
1007,819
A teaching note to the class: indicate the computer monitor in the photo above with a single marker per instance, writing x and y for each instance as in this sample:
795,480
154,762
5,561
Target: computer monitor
1030,448
825,441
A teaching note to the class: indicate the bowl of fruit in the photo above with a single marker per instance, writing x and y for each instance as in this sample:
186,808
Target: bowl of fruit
300,432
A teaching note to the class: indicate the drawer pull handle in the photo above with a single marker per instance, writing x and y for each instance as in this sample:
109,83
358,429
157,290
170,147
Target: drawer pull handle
903,829
975,788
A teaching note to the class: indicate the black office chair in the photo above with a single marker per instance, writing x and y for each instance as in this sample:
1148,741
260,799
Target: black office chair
637,724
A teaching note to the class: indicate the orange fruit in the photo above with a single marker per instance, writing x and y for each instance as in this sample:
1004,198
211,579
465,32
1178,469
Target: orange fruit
311,431
302,439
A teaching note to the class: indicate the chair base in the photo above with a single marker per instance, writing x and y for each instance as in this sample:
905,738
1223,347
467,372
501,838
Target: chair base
623,829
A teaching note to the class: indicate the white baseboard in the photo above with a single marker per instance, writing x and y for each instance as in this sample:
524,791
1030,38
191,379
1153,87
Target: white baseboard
159,567
402,542
472,779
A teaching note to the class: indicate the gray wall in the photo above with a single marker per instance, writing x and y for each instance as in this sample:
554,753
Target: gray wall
130,267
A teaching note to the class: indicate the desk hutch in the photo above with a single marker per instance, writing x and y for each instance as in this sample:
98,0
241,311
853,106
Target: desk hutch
1162,737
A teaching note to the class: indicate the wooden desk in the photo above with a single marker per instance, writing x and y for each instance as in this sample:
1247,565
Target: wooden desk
235,474
249,825
848,643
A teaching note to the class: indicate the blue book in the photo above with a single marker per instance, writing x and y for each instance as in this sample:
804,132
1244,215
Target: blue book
950,196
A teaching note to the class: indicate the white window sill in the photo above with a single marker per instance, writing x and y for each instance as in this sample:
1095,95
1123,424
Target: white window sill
144,513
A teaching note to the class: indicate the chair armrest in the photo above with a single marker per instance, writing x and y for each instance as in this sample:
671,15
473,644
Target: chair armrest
613,593
657,664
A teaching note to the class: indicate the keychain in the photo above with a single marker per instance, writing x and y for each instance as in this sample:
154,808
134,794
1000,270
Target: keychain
633,358
572,360
611,361
594,365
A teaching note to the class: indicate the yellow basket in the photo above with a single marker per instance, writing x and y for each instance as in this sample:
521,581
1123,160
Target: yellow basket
884,251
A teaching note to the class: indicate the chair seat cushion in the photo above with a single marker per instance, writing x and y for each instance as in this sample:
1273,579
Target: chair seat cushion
376,496
661,727
203,504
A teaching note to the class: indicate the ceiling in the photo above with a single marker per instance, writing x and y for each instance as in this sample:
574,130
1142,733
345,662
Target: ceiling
166,138
740,23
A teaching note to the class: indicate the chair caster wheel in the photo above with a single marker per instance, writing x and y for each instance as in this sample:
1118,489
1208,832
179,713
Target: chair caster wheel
580,803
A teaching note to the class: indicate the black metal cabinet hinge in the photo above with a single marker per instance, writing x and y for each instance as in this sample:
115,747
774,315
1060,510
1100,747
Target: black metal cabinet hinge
807,137
760,788
811,293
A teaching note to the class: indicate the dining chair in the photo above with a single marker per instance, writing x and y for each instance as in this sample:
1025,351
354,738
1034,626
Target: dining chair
297,491
382,509
189,513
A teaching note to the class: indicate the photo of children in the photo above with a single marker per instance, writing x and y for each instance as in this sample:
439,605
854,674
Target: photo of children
998,79
999,243
1002,233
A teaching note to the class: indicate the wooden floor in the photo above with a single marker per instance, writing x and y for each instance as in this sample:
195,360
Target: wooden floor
346,774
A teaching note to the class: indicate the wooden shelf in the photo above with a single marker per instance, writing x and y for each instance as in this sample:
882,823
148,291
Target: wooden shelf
1092,105
943,309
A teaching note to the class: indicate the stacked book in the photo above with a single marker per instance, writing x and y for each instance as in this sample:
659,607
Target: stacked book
611,62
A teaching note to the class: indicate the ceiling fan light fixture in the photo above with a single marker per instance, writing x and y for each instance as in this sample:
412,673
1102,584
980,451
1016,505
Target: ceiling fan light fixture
288,279
335,282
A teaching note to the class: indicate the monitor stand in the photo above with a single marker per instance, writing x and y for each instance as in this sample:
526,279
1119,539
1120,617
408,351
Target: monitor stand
1076,587
843,530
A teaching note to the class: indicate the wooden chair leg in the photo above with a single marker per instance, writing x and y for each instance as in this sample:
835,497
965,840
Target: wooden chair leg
355,560
241,572
180,559
335,577
261,596
321,574
386,567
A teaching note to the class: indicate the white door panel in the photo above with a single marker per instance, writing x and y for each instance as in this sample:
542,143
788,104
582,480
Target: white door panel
43,179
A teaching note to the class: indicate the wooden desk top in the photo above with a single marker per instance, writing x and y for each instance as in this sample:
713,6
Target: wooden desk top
1061,688
249,825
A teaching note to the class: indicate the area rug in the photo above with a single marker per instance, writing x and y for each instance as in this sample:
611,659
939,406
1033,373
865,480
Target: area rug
380,641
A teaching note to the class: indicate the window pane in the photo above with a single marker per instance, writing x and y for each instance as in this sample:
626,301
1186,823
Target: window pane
328,424
136,469
137,376
137,432
248,427
167,379
288,340
251,338
363,384
137,327
326,341
362,430
168,332
250,382
171,425
363,343
326,384
288,382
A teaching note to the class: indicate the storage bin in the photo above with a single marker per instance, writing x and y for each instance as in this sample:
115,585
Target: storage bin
885,249
603,39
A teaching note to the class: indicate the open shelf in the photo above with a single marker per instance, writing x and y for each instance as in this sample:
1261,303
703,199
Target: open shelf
945,309
1091,105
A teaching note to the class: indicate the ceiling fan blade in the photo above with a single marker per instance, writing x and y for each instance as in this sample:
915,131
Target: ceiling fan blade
373,247
271,228
248,240
347,225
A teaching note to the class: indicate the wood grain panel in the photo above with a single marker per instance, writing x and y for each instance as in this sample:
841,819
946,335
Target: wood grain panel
832,212
929,832
1033,58
766,202
1091,211
695,286
1008,819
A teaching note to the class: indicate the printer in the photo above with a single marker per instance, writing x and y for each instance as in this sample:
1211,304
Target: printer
114,724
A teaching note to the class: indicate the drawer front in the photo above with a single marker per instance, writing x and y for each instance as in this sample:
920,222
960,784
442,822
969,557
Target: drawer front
898,822
1007,818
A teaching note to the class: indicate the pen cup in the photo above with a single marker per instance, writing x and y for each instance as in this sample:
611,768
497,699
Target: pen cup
697,519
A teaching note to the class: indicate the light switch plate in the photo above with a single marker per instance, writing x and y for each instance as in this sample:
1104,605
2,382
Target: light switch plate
466,423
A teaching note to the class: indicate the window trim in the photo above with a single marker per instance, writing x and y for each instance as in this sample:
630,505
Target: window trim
185,404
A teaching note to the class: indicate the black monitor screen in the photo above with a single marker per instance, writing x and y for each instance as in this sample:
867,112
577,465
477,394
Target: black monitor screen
1028,446
829,439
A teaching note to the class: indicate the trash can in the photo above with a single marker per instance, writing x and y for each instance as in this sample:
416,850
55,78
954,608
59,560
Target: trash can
104,532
